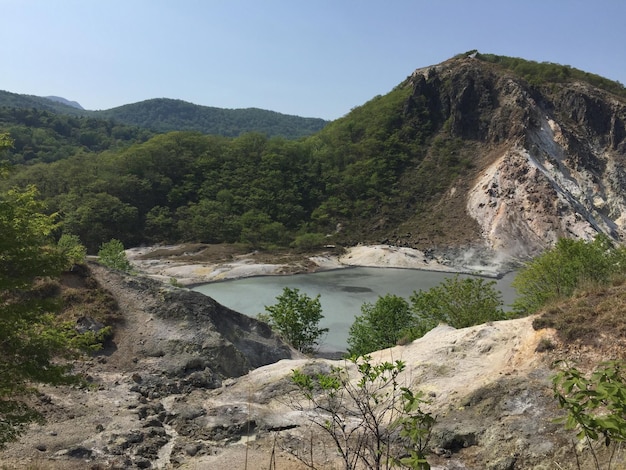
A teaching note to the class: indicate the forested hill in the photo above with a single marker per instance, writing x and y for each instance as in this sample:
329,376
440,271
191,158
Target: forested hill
15,100
474,151
165,115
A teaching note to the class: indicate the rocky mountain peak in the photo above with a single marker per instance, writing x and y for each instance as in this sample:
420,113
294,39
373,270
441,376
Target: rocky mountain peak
550,155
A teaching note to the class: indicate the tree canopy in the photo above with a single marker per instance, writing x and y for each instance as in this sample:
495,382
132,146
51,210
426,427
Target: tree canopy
31,337
456,302
296,318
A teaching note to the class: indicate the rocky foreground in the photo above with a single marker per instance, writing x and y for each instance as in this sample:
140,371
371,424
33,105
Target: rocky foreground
187,383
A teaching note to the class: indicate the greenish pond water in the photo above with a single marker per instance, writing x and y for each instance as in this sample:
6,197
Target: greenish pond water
342,292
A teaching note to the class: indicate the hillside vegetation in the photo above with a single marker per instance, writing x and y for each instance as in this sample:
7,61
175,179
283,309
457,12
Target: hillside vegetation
399,169
548,72
263,191
164,115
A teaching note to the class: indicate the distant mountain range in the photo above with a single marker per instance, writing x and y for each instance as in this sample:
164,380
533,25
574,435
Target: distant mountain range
165,115
59,99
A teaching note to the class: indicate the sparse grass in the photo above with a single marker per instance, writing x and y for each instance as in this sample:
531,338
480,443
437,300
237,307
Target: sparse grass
545,344
592,316
83,297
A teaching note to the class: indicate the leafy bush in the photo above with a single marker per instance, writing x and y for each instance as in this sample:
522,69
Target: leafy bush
73,249
309,241
32,339
558,272
366,414
296,318
457,302
595,405
380,325
112,254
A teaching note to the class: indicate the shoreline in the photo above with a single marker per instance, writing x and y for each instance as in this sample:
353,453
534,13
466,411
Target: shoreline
191,273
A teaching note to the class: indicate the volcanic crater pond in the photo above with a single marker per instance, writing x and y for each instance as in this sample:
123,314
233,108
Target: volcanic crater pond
342,292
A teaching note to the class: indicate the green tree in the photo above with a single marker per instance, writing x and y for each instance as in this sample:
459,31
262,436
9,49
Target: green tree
98,216
31,337
296,318
112,254
558,272
72,249
380,325
457,302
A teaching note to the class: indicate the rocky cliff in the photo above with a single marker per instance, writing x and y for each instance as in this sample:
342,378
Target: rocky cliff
548,159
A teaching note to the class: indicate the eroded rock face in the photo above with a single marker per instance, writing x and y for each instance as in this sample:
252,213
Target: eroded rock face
187,339
556,154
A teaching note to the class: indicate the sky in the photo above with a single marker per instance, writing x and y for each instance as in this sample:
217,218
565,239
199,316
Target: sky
311,58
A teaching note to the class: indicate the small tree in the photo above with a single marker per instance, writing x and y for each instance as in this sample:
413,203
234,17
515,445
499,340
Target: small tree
457,302
296,318
380,325
595,405
112,254
361,414
73,249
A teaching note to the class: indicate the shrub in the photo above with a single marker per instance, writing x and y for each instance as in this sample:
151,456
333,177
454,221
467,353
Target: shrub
373,421
457,302
595,405
558,272
380,325
112,254
309,241
73,249
296,318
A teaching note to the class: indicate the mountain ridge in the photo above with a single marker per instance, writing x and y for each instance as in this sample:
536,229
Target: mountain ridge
60,99
166,114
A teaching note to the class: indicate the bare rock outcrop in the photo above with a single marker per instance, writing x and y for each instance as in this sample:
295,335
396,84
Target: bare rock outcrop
550,159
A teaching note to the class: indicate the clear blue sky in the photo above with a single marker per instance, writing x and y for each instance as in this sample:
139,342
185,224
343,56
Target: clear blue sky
316,58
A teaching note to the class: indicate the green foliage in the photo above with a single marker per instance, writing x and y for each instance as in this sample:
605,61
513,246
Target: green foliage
539,73
415,425
25,249
296,318
570,264
309,241
365,410
595,405
385,164
112,254
98,215
166,115
457,302
32,340
72,249
380,325
266,192
43,136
